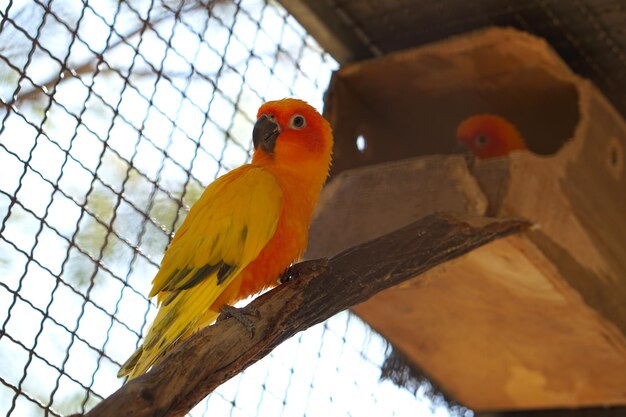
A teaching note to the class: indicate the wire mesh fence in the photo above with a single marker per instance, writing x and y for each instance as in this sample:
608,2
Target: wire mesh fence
114,117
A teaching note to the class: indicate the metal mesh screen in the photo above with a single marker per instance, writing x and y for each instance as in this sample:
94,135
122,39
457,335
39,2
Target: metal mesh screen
114,117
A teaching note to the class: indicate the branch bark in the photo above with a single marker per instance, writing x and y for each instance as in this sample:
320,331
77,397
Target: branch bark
215,354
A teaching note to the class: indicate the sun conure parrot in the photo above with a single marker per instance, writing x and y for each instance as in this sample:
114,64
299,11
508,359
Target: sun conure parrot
489,136
245,230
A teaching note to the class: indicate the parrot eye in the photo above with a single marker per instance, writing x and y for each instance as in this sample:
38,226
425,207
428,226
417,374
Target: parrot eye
481,140
297,122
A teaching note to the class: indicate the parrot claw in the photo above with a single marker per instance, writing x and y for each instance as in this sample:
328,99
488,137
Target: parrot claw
242,315
311,268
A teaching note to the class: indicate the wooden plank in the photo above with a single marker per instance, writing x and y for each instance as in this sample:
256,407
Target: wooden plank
331,30
499,329
581,214
389,197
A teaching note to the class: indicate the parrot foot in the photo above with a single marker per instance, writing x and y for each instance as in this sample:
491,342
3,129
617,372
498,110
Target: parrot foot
311,268
242,315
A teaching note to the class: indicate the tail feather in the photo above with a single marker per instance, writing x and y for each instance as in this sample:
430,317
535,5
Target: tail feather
147,356
129,366
140,361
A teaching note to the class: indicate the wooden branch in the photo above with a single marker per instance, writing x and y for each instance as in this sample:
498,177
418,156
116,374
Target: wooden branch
215,354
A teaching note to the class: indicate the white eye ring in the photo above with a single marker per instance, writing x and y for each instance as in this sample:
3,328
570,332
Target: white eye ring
297,122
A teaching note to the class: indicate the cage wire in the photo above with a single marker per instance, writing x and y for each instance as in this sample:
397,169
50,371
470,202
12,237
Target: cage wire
114,117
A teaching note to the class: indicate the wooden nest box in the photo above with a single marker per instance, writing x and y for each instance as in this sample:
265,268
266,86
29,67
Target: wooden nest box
532,321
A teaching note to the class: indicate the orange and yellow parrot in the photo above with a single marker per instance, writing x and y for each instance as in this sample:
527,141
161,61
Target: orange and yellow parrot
245,230
489,136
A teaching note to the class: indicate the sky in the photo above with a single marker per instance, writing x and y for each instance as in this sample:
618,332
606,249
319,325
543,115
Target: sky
96,179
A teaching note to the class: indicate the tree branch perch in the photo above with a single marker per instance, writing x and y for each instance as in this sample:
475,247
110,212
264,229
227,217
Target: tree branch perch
215,354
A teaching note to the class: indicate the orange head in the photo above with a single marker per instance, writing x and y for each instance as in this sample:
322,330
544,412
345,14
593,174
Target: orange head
291,135
489,136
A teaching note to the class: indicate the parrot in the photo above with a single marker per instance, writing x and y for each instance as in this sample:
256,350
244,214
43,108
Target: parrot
247,228
489,136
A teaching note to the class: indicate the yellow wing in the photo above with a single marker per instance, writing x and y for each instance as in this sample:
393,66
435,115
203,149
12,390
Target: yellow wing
224,231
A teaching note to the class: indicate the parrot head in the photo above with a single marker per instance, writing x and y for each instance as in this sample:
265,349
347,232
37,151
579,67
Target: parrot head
291,133
489,136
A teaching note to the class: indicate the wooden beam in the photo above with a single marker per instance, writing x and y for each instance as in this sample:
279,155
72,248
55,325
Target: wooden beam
212,356
332,30
561,412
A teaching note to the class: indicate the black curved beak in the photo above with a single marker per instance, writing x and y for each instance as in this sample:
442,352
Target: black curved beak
265,133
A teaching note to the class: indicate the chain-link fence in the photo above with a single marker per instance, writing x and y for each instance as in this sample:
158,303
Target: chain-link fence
114,117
